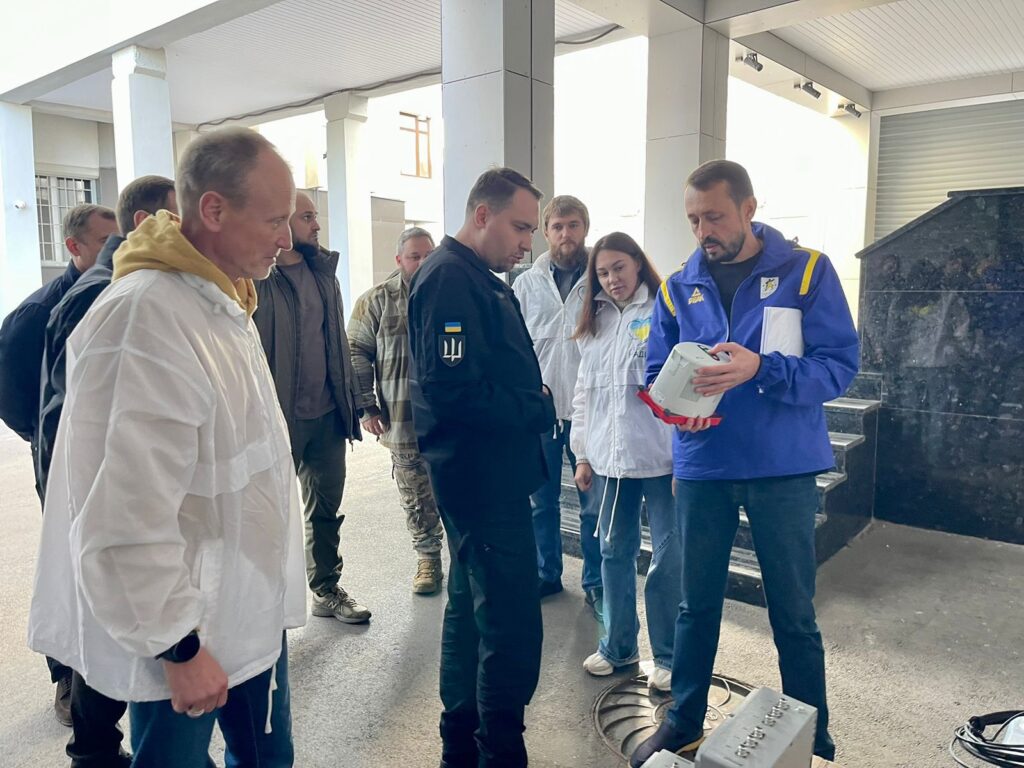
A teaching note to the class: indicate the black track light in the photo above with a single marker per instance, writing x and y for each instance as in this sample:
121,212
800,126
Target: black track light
809,88
751,61
850,109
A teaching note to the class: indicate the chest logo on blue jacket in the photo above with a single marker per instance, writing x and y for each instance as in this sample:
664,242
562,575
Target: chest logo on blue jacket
768,286
451,348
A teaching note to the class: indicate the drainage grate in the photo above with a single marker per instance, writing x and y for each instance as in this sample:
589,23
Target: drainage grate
626,713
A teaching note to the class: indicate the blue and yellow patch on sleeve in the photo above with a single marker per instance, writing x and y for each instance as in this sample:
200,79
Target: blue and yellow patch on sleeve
453,327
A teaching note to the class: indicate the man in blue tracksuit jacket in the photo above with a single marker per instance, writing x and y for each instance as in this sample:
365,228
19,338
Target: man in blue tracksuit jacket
780,312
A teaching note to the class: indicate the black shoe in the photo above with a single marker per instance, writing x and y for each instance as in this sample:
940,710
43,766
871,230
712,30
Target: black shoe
666,737
594,597
548,588
62,701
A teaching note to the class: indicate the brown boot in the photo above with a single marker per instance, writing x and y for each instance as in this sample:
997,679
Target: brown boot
428,576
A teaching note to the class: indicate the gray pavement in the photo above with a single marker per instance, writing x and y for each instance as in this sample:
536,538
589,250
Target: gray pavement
922,630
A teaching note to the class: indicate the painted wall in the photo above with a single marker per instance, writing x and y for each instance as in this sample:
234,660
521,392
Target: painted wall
65,145
809,172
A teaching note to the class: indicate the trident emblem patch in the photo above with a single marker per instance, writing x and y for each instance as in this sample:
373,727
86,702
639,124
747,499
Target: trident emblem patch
451,348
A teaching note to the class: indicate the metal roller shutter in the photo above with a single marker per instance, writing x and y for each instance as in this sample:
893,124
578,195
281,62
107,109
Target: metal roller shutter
924,155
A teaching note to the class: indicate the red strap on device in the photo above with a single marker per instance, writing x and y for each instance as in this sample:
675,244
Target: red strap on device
684,421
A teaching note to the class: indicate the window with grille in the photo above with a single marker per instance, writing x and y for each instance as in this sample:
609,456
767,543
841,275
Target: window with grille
55,196
416,145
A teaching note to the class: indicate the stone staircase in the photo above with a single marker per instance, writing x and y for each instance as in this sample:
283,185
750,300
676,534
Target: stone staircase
847,493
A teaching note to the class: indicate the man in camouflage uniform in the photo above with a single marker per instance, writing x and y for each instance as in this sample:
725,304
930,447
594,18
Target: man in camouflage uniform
379,336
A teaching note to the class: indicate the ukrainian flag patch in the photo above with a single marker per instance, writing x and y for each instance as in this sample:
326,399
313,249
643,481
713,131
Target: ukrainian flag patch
453,327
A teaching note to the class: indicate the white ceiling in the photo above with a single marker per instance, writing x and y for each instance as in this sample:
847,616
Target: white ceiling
299,49
916,42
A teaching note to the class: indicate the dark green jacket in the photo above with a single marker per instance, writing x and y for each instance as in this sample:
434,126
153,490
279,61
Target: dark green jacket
275,318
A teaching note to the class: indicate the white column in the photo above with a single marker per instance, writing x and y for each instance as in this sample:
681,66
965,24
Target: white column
687,85
348,191
142,114
20,267
497,72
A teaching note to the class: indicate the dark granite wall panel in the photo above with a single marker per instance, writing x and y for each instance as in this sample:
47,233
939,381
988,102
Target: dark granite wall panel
942,319
962,474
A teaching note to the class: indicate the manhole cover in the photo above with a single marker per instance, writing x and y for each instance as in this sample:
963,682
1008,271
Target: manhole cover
626,713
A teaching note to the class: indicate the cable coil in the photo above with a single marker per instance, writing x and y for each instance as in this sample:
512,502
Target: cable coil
970,738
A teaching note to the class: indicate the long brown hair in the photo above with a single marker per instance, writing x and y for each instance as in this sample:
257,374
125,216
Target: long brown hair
615,241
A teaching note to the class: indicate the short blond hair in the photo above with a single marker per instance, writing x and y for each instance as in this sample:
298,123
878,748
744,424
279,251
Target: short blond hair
566,205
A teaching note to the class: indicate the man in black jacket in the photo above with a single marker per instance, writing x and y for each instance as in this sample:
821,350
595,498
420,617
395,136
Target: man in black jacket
95,739
479,407
300,319
86,229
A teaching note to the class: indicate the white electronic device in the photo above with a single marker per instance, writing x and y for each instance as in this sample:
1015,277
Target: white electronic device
673,389
769,730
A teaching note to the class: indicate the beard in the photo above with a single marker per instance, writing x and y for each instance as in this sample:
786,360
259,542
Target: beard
570,260
306,250
726,251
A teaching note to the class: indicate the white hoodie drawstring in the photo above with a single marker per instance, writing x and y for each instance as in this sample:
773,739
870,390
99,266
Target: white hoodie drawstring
600,510
270,698
615,503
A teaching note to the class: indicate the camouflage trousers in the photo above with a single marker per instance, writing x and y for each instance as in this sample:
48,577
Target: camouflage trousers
417,499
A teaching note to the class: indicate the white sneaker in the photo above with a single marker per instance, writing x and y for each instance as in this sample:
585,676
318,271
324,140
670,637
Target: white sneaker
660,679
597,665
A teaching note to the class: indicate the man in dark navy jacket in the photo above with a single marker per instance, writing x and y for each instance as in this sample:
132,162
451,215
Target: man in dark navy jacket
480,407
86,229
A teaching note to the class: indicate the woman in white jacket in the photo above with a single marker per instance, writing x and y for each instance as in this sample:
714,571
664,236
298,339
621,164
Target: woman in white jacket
624,454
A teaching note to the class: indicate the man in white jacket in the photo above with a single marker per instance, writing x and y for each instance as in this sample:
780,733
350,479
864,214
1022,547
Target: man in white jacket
551,297
172,546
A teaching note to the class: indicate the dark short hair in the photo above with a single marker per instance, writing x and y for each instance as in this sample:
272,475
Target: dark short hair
733,174
496,187
219,161
146,193
76,221
566,205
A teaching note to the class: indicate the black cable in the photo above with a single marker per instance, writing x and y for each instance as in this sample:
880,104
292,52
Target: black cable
971,739
372,86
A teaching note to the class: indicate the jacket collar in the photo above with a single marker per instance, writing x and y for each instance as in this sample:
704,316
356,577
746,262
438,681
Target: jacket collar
106,257
470,256
639,297
776,250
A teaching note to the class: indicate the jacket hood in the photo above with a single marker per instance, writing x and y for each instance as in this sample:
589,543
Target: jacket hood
158,244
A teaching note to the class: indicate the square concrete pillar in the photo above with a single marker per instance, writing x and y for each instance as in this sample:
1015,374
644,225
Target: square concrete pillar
20,267
349,201
497,72
687,86
142,114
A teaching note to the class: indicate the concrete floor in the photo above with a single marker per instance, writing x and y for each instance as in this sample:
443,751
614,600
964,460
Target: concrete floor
922,630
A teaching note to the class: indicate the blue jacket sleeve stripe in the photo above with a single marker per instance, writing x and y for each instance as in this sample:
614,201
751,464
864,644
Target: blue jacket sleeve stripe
805,284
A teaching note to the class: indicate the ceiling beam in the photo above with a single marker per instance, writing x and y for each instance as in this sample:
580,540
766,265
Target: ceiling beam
136,24
952,93
778,50
648,17
737,18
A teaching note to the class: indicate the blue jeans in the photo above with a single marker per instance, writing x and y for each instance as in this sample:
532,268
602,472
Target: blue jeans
781,513
547,514
620,502
161,738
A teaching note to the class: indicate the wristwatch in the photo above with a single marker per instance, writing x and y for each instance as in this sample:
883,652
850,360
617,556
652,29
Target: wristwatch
183,650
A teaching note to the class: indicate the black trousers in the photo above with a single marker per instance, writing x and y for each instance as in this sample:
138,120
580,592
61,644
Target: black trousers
96,738
492,634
